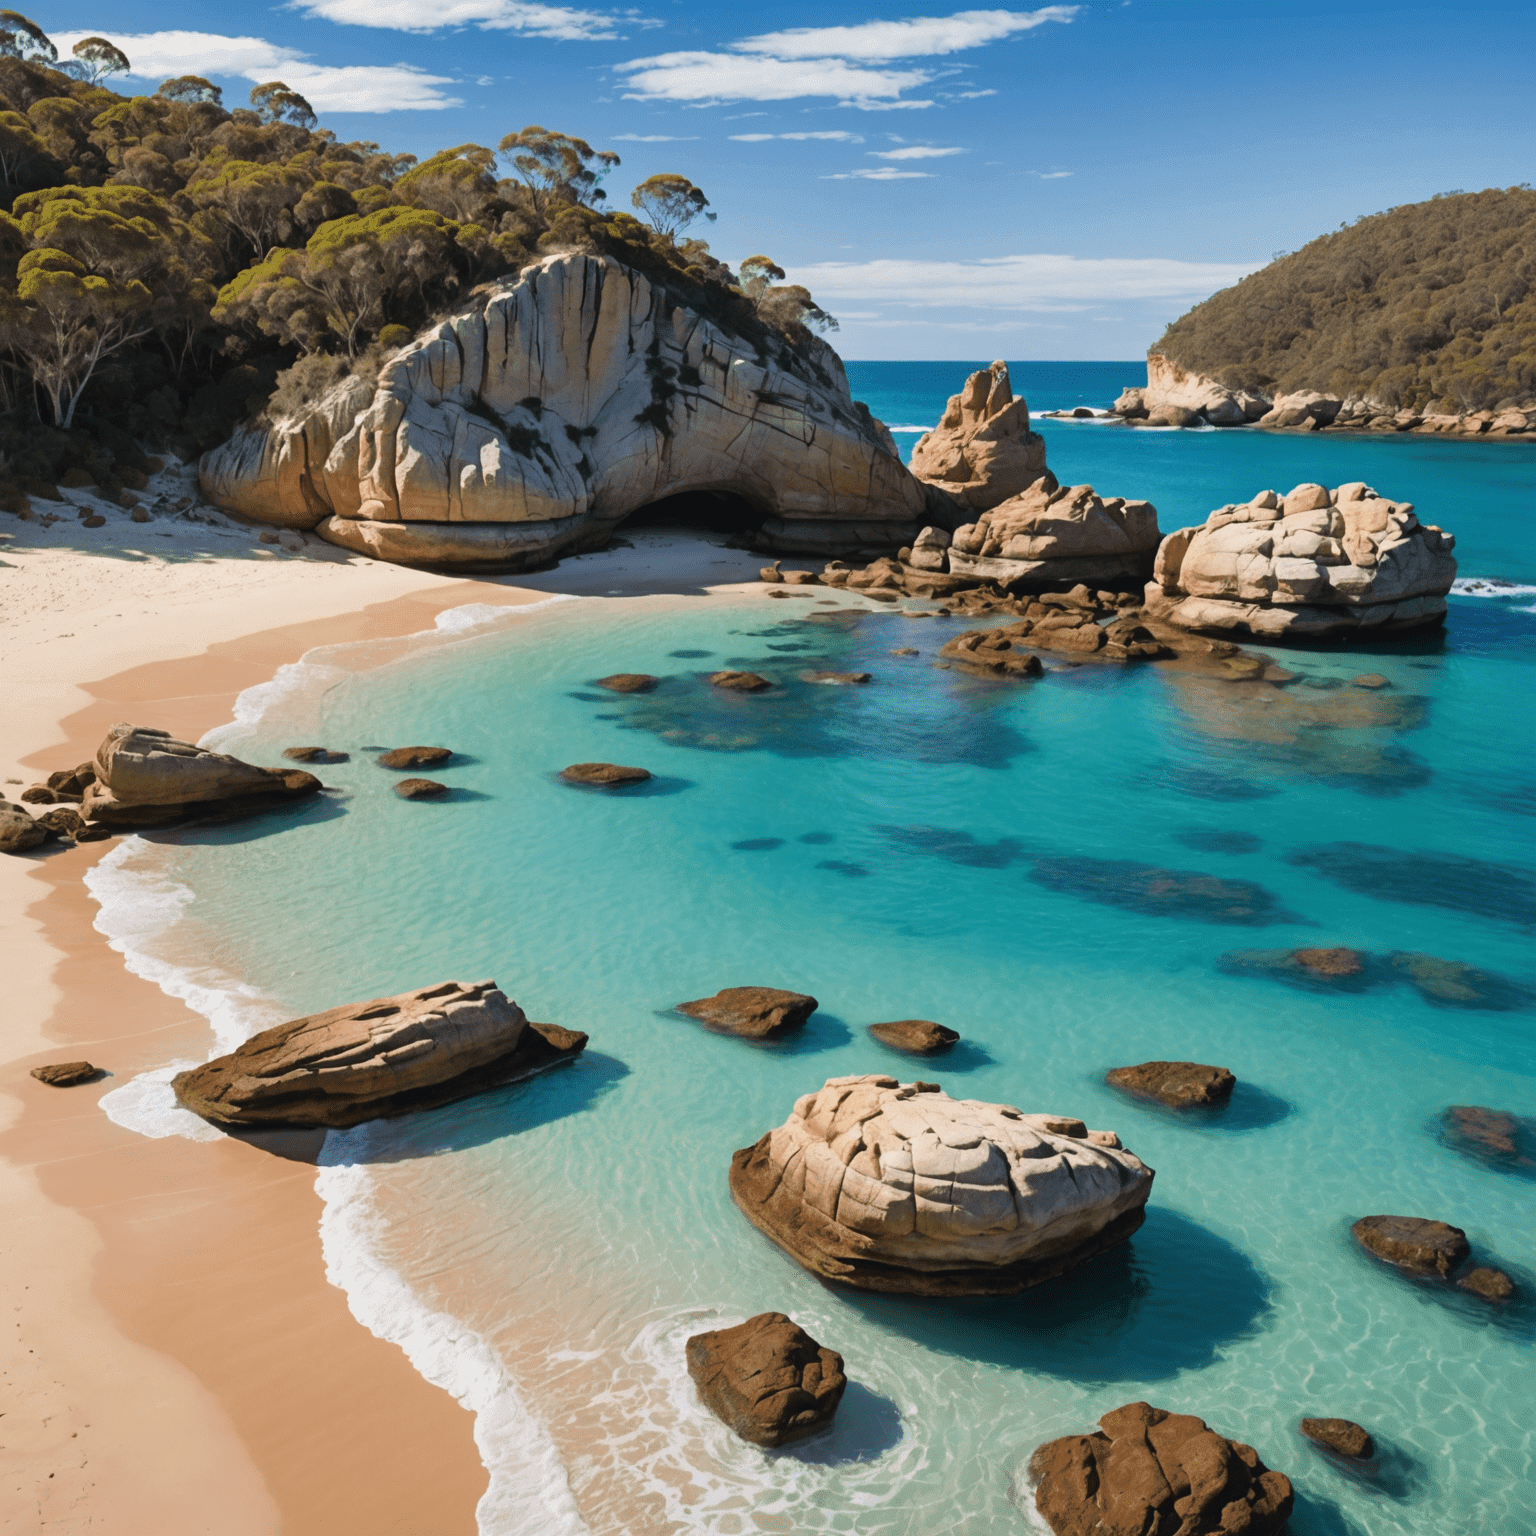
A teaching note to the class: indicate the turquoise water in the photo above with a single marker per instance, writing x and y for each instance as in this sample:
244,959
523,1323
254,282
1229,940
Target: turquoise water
941,847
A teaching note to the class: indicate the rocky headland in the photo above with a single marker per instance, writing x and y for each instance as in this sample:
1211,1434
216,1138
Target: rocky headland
385,1057
569,396
888,1186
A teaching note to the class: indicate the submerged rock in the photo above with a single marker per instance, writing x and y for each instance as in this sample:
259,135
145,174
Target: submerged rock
898,1187
145,777
1319,562
603,775
415,757
1413,1243
386,1057
755,1013
561,399
1177,1084
1454,984
1153,890
767,1379
1148,1472
837,678
1493,1136
66,1074
1341,1436
628,682
1488,1283
918,1037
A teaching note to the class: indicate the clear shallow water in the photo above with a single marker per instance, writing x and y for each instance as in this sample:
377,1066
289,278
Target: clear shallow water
935,845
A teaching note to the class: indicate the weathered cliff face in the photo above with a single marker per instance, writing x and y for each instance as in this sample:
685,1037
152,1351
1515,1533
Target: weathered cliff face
573,395
1317,562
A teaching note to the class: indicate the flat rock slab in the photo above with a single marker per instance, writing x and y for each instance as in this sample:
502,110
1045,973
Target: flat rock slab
843,678
918,1037
378,1059
1413,1243
1372,680
740,682
754,1013
628,682
1178,1084
1148,1470
604,775
314,755
66,1074
1341,1436
420,789
767,1379
415,757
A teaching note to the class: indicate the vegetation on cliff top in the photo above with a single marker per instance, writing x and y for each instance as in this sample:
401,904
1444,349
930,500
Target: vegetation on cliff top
166,264
1429,304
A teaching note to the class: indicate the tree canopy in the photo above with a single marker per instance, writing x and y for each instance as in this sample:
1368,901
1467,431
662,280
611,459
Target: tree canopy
165,260
1427,303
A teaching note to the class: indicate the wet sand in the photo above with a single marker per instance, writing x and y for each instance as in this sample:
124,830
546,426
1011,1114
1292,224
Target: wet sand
180,1362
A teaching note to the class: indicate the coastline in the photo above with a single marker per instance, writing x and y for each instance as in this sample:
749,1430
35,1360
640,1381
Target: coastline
174,1308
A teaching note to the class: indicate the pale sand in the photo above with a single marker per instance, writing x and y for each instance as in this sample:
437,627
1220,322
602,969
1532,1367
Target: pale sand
178,1362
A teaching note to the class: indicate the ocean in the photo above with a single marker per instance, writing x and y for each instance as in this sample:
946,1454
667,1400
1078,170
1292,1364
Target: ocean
941,847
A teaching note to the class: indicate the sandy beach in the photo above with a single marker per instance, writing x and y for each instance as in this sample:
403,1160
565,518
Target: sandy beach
179,1362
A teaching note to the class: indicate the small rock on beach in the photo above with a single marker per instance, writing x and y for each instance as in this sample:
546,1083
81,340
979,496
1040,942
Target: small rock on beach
66,1074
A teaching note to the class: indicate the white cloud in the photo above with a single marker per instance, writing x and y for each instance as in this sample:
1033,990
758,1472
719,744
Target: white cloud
918,36
1052,175
1018,282
556,21
975,95
713,77
328,88
836,135
659,138
915,152
884,173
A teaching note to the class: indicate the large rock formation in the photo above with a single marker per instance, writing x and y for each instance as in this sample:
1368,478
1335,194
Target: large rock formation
1317,562
982,452
145,777
1176,397
566,398
1148,1472
1052,535
898,1187
364,1061
767,1378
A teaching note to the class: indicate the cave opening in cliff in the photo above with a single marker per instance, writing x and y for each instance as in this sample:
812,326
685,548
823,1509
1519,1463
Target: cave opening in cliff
701,512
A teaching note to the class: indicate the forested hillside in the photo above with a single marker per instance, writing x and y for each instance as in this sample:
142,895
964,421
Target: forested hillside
170,266
1429,304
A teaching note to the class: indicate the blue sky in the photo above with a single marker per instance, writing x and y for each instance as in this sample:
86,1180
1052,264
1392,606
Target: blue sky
1053,182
